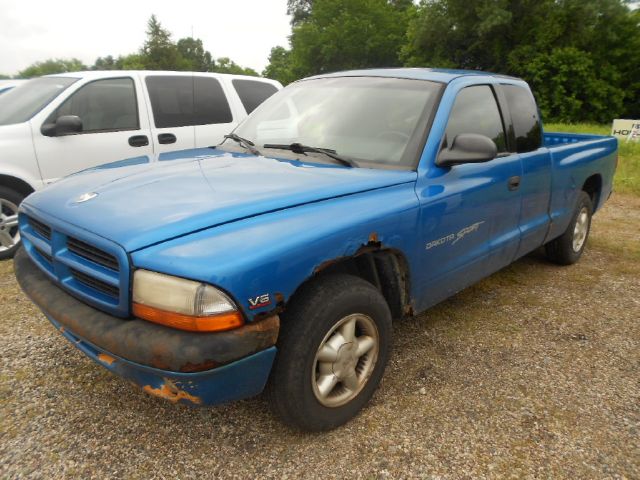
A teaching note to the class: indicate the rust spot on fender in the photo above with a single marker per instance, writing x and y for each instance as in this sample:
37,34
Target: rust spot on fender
373,237
169,391
62,329
106,359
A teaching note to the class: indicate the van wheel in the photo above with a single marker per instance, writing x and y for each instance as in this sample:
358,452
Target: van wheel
332,352
9,234
567,248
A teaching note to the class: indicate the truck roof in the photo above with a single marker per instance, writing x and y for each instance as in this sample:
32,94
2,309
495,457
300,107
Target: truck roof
441,75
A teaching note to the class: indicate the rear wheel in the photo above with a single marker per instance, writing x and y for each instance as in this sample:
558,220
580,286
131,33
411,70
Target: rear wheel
333,348
9,234
567,248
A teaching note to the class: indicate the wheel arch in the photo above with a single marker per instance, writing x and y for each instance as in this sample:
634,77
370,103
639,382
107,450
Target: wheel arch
593,187
387,269
17,184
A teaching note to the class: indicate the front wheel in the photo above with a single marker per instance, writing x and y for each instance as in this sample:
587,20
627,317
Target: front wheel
333,348
567,248
9,233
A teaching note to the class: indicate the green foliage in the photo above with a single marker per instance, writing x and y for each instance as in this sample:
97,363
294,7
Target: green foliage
195,58
159,52
279,67
48,67
226,65
577,54
345,34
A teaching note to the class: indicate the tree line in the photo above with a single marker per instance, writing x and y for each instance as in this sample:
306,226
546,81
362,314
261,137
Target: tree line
581,57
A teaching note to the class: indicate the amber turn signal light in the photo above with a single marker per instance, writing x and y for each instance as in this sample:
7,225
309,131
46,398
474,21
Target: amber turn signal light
214,323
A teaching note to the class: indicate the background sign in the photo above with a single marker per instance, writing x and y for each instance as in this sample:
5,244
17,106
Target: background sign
628,130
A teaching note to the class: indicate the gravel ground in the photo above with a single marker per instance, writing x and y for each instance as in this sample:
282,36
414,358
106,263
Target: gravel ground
534,372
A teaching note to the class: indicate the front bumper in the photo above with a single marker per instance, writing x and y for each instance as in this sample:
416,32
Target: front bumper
186,367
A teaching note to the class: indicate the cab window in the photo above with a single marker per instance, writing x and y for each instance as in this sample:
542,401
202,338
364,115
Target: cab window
524,115
476,111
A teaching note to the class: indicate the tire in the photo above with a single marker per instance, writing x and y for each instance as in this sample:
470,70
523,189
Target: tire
9,234
300,387
567,248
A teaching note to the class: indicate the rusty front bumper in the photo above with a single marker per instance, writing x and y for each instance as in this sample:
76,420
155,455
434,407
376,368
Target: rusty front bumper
201,368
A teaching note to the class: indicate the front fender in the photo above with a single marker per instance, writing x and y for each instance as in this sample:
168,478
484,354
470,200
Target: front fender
274,253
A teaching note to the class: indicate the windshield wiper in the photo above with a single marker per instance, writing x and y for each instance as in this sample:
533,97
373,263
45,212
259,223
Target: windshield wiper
299,148
248,144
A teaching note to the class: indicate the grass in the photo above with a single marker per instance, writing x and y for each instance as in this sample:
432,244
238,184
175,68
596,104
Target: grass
627,179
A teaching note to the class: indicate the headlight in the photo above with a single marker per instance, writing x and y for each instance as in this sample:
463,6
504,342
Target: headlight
183,304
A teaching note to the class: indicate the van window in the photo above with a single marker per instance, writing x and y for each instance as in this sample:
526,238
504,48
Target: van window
524,115
476,111
183,101
102,105
20,104
252,93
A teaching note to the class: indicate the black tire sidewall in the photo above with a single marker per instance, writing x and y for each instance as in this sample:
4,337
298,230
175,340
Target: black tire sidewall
305,327
561,249
15,198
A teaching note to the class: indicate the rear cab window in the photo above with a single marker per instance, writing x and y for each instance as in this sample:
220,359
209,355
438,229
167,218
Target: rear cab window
184,101
475,110
524,116
252,92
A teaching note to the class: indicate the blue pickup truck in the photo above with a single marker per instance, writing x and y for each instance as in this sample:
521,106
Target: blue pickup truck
279,258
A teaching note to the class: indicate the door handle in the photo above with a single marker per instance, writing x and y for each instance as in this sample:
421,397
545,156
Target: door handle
166,138
514,183
139,141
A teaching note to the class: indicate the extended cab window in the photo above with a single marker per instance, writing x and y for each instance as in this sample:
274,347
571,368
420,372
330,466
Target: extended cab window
524,115
102,105
183,101
476,111
252,93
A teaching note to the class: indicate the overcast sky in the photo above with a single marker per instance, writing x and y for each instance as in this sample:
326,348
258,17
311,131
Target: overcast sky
34,30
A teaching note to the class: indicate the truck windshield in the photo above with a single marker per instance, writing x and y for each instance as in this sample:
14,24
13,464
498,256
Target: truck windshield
376,121
22,102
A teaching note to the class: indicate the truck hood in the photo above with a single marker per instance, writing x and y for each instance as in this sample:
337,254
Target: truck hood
138,205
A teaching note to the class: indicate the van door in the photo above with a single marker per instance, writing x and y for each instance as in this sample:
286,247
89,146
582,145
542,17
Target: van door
173,104
112,129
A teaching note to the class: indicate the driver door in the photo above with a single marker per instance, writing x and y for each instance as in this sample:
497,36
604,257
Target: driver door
468,212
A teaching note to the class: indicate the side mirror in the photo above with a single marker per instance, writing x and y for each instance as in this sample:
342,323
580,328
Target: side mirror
64,125
468,148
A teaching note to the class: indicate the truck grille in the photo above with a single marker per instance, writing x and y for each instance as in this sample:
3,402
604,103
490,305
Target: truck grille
40,228
91,268
92,253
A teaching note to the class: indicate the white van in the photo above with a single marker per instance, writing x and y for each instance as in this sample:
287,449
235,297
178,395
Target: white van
56,125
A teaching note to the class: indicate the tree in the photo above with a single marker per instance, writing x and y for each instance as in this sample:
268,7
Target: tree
226,65
51,66
550,43
158,51
346,34
299,10
196,58
279,67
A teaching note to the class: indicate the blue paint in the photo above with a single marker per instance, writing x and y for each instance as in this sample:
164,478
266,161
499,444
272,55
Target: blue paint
234,381
252,225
